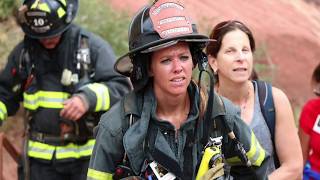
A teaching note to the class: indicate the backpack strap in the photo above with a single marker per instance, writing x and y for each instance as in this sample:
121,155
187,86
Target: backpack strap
131,114
26,69
77,73
83,51
268,112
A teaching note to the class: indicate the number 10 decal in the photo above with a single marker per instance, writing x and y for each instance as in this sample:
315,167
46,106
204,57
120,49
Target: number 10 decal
38,22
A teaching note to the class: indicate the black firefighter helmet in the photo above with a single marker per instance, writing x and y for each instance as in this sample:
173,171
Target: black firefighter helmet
46,18
160,25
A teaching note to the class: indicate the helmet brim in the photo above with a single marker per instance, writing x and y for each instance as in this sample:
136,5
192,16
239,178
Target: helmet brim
51,34
124,65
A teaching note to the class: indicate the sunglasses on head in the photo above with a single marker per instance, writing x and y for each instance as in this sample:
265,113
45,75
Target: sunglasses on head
229,23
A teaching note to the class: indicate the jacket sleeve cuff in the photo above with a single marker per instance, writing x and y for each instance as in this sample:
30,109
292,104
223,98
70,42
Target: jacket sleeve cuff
97,95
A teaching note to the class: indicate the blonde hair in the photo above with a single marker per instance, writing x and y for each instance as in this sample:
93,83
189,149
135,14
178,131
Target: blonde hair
203,99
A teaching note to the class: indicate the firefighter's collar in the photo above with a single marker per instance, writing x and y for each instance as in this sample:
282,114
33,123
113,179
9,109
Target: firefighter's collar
218,106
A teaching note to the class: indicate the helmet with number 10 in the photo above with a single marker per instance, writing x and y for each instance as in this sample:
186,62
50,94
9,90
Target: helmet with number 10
46,18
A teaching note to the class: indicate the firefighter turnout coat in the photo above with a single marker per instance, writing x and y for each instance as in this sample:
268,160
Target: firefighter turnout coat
33,75
149,139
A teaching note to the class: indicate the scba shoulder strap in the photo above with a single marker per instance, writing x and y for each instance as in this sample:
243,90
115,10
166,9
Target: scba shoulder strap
83,52
82,61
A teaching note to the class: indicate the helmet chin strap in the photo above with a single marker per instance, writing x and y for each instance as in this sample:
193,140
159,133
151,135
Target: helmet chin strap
202,65
139,76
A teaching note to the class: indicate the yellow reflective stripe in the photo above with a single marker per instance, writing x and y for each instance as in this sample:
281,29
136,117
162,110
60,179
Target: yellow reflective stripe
46,151
63,2
61,12
44,7
41,6
98,175
75,151
35,4
46,99
102,94
3,111
40,150
256,154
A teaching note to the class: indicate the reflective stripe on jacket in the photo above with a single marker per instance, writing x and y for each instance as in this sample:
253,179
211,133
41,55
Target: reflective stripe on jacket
44,99
102,93
98,175
256,154
49,99
70,151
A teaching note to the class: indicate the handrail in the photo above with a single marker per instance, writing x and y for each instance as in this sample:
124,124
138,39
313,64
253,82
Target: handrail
5,143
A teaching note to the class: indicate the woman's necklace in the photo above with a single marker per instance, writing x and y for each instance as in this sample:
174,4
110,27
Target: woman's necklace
243,105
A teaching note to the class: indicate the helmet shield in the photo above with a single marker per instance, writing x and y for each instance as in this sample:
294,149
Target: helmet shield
46,18
154,27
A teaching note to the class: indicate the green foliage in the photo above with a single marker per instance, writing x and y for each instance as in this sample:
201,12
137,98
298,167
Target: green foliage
101,19
10,33
6,8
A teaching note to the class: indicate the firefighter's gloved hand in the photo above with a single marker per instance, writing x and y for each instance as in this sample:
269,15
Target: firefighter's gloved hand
74,108
214,173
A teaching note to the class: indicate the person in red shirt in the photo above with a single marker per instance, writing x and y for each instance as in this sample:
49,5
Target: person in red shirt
309,131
